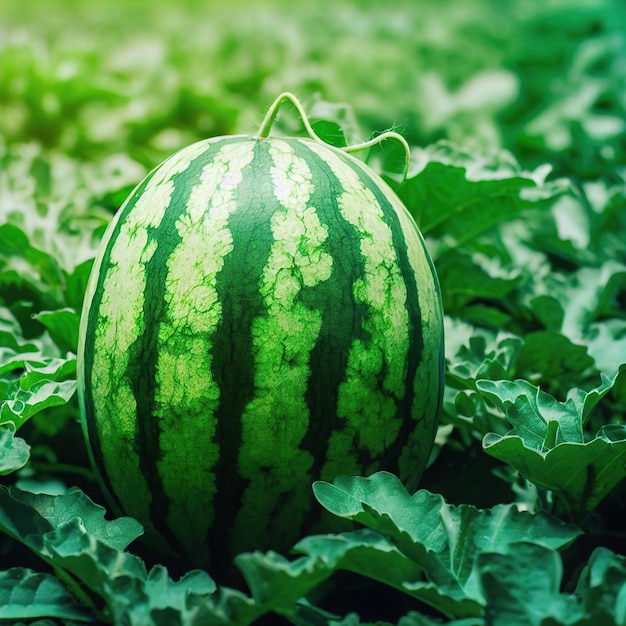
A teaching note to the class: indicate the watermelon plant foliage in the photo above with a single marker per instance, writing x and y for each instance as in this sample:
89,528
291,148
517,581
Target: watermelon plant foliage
517,182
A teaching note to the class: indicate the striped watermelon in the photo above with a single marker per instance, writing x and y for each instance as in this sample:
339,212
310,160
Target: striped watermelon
262,313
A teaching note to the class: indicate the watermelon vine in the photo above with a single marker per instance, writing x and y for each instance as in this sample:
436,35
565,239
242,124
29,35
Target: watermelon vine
267,123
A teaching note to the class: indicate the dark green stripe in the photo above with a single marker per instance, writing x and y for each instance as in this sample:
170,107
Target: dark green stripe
416,339
342,315
144,353
416,344
233,366
93,316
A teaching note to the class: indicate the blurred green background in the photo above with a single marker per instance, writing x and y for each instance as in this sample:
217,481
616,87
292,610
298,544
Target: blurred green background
544,79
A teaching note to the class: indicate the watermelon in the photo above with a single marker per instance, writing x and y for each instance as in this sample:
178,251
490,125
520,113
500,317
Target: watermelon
262,313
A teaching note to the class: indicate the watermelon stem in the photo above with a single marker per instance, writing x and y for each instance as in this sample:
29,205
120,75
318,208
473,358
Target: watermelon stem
270,117
266,125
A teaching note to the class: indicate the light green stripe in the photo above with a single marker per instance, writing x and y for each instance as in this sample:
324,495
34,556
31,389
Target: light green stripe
119,324
427,381
186,388
369,407
277,418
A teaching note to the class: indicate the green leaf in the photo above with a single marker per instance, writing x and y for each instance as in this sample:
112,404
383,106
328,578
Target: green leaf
548,311
370,554
70,532
416,619
364,552
455,195
330,132
24,403
55,199
34,518
25,594
157,599
31,383
582,474
42,268
548,447
607,344
14,452
522,587
51,370
278,583
601,587
467,280
479,360
11,337
335,123
443,540
552,357
166,594
62,325
592,295
530,411
76,284
13,360
586,401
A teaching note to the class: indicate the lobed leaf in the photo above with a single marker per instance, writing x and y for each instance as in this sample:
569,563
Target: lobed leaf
443,540
522,587
548,446
34,519
14,451
22,404
601,587
277,583
70,532
25,594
